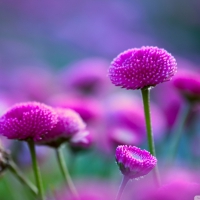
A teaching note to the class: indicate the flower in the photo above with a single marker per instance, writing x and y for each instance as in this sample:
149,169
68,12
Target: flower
144,67
30,120
134,162
123,135
69,123
175,190
81,141
88,108
86,76
187,82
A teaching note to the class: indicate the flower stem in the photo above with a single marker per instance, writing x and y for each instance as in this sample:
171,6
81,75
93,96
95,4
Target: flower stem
146,103
36,170
122,186
14,169
177,130
65,172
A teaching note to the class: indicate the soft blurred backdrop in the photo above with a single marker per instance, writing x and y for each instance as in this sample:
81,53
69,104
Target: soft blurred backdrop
48,50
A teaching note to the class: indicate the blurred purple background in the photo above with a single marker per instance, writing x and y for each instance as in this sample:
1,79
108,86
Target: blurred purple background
55,33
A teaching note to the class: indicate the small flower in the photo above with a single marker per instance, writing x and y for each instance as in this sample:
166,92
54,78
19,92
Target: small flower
188,84
86,76
144,67
81,141
31,120
69,123
134,162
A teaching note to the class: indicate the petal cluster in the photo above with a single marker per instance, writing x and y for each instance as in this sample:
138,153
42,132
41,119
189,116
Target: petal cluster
69,123
30,120
144,67
134,162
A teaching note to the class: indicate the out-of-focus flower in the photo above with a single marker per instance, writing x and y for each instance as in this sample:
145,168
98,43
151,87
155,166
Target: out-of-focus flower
172,106
144,67
30,120
90,190
188,84
89,109
174,191
35,82
134,162
129,114
87,76
69,123
81,141
123,136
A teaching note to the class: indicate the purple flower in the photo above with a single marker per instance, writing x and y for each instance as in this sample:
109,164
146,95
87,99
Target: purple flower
123,136
144,67
81,141
69,123
188,84
134,162
30,120
89,109
86,76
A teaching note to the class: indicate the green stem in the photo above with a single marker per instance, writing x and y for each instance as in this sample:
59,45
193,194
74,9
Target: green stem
122,186
14,169
177,130
65,172
36,170
146,103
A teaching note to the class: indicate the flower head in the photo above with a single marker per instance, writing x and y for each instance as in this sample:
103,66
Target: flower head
86,76
188,84
81,141
69,123
144,67
134,162
29,120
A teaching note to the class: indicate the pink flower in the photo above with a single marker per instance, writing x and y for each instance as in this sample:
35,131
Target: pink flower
123,135
69,123
81,141
134,162
144,67
188,84
29,120
89,109
176,190
86,76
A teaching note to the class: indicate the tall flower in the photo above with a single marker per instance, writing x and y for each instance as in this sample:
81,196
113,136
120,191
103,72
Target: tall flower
29,121
144,67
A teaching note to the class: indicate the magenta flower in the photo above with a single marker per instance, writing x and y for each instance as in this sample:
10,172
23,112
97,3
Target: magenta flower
89,109
188,84
29,120
86,76
81,141
69,123
144,67
134,162
123,136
